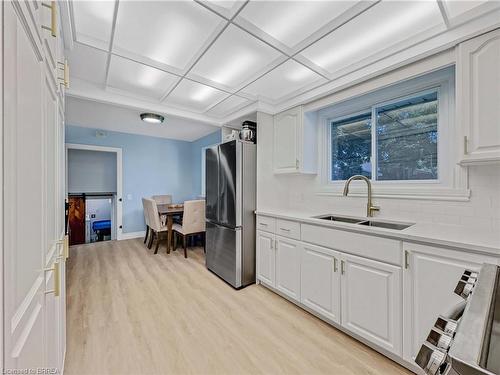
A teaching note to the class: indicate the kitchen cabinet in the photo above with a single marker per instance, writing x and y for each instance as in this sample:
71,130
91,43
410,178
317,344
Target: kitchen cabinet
478,98
320,281
288,267
430,277
371,301
294,145
265,258
33,182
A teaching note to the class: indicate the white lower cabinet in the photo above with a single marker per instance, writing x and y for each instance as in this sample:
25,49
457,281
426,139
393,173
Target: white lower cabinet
429,282
371,301
266,258
288,267
320,281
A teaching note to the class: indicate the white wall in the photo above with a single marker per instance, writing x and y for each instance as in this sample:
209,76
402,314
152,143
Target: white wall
298,192
91,171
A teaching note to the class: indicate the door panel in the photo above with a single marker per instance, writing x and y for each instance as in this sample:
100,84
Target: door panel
76,220
222,247
288,267
212,184
227,184
371,301
320,281
265,258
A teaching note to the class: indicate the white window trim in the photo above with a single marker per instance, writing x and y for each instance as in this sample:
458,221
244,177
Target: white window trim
452,179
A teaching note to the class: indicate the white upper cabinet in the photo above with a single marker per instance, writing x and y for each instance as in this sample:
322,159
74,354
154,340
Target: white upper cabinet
371,301
294,148
478,98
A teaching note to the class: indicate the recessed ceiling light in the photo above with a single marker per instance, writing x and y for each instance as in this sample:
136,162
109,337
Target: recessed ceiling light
152,118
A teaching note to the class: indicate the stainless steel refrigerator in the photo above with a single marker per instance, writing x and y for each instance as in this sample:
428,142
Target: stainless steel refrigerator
230,204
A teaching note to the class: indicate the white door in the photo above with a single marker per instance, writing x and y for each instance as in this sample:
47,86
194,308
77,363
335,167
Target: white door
288,254
478,95
286,150
371,301
430,281
265,258
320,281
24,218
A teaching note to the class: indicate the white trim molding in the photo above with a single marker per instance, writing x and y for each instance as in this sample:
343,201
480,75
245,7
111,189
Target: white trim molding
119,179
132,235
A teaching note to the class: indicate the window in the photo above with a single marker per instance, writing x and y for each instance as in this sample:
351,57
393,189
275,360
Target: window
393,141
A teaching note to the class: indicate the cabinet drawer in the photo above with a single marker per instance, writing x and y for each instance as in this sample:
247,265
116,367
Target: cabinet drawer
368,246
266,223
287,228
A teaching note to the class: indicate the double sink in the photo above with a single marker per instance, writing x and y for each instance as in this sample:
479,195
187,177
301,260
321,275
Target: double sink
369,223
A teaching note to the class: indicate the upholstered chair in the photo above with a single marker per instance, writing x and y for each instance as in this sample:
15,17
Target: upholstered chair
155,224
146,219
193,223
162,199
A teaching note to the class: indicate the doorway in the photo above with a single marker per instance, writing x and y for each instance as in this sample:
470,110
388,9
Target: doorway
94,191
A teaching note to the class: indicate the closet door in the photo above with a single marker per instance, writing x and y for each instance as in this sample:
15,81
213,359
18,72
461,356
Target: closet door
24,193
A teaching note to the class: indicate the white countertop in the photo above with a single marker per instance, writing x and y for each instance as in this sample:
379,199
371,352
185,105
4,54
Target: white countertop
456,236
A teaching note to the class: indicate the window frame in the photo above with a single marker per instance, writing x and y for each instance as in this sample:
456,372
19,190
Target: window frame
451,183
374,154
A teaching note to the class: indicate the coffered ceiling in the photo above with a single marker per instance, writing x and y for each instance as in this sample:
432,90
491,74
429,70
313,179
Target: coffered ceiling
210,59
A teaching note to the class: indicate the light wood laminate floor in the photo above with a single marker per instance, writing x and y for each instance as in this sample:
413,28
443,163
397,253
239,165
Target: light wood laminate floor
132,312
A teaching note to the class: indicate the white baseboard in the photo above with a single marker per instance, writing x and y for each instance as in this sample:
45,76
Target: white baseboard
130,235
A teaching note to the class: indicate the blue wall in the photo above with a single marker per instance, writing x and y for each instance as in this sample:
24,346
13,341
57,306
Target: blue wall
197,147
150,166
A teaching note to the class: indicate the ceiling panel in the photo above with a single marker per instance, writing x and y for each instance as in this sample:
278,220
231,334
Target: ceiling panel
383,25
139,79
171,32
93,22
456,8
285,79
235,57
290,22
87,63
194,96
226,7
228,106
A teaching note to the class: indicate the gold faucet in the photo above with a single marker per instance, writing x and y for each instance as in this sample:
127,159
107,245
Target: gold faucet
369,207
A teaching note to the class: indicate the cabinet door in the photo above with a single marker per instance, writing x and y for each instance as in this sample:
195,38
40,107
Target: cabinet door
320,281
23,193
371,301
286,141
265,258
430,279
478,75
288,267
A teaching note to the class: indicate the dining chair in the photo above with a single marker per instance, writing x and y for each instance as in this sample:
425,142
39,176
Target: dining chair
156,227
146,219
162,199
193,223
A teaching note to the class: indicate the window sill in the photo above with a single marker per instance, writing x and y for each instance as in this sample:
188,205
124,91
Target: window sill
418,192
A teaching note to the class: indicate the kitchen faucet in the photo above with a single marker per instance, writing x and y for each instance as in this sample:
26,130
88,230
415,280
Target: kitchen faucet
369,207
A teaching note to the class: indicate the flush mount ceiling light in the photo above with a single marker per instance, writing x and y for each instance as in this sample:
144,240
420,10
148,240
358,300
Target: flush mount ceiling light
152,118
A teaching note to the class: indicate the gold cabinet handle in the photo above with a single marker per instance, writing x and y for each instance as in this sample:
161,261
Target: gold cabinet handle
335,268
53,18
407,259
342,267
65,68
56,270
66,246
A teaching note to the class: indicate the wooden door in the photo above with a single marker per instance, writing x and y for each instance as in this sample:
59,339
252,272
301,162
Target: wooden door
265,258
288,267
320,281
372,301
76,220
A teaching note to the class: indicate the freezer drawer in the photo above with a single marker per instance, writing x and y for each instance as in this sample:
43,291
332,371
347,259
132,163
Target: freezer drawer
223,246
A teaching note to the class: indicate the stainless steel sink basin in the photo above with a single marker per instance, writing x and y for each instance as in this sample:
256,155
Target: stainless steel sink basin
341,219
368,223
381,224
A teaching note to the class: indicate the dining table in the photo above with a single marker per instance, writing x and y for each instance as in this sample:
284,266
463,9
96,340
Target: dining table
170,210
